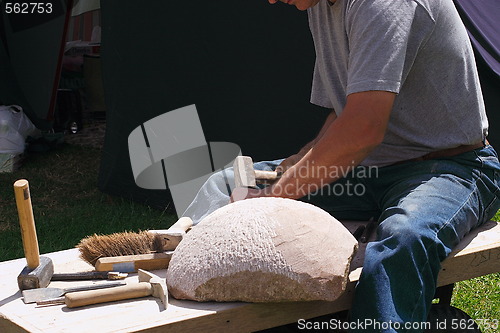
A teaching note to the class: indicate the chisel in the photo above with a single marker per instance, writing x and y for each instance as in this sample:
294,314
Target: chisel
92,275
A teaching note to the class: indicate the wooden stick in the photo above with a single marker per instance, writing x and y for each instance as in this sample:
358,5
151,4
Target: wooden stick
181,226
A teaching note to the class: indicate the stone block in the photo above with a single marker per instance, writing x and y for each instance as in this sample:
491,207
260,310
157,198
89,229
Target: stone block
263,250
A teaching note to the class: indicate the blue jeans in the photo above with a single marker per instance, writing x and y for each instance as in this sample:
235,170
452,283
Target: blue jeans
423,208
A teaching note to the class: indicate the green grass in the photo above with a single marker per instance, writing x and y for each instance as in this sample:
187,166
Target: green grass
68,206
480,298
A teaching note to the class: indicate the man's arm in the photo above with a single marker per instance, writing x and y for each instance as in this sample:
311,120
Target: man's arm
344,144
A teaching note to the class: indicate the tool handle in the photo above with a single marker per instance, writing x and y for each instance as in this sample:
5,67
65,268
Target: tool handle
82,298
369,228
183,224
132,263
167,240
27,223
266,175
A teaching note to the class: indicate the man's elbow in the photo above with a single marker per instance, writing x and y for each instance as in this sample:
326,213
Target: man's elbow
370,138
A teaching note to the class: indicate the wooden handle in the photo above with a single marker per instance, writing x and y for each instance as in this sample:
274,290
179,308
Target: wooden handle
167,240
265,175
131,263
82,298
183,224
27,223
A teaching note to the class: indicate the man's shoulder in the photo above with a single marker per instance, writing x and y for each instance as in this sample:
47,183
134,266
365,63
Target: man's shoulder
430,6
359,11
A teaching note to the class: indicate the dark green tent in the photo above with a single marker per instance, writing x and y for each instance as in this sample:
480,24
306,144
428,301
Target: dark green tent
247,67
31,46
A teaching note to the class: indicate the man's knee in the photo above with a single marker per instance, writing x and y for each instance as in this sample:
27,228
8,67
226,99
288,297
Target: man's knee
415,237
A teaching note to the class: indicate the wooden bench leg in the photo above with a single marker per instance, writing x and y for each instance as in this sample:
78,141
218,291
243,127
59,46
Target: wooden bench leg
444,294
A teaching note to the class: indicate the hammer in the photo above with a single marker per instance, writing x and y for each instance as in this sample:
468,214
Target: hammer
246,176
39,270
149,285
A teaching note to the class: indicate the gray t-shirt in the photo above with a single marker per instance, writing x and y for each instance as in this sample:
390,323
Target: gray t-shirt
418,49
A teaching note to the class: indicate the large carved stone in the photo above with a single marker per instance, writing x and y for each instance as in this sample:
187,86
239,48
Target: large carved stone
263,250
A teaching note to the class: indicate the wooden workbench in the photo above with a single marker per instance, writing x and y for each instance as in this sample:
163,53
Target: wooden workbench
478,254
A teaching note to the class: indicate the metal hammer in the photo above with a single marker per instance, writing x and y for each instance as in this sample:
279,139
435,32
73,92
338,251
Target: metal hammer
39,270
246,176
149,285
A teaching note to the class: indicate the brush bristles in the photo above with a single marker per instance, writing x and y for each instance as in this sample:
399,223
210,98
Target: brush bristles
118,244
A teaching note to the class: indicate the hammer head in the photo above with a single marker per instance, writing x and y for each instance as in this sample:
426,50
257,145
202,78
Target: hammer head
38,277
158,286
244,174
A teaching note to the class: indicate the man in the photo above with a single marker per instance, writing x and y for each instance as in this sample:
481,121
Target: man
401,80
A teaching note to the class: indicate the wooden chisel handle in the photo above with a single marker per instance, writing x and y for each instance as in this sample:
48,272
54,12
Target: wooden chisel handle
82,298
167,240
27,223
182,225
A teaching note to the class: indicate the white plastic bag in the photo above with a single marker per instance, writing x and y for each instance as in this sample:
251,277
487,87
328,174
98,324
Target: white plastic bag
15,127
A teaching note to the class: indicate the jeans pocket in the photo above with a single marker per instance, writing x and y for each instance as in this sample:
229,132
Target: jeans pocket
493,205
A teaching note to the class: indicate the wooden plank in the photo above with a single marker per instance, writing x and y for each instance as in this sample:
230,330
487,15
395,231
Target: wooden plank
477,254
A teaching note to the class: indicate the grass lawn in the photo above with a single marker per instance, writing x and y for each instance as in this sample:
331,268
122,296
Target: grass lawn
68,206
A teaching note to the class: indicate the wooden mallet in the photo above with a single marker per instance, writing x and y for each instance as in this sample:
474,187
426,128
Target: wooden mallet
39,270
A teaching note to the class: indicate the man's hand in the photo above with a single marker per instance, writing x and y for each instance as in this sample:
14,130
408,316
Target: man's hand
287,163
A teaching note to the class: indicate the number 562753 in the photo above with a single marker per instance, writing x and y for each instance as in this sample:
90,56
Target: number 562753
28,8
